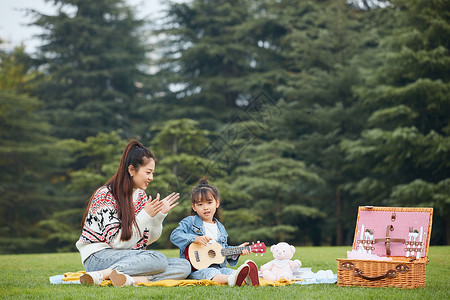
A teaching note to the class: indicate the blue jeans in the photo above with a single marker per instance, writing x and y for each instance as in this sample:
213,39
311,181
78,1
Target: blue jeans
148,263
210,272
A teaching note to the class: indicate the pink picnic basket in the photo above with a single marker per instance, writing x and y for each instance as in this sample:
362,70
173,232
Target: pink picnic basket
401,233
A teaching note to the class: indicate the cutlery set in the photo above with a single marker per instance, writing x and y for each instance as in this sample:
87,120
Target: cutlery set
365,243
414,246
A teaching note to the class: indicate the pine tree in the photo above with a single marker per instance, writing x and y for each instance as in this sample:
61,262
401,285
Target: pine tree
403,155
90,57
320,49
29,160
102,153
206,62
274,180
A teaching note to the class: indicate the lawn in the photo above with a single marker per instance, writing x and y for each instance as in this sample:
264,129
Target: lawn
26,276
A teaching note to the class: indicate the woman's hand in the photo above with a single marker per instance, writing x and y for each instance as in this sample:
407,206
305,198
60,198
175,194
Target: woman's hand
152,207
245,251
203,240
169,202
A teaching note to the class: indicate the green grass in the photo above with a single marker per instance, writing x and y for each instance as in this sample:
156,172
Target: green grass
26,276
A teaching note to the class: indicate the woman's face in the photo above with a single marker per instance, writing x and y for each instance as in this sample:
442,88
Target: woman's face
142,177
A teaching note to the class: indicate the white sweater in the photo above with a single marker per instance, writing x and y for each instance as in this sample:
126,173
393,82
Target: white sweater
101,228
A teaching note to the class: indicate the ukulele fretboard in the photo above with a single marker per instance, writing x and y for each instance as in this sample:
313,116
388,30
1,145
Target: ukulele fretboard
234,250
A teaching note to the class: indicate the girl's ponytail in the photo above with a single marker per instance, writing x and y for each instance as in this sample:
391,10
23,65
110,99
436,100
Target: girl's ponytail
203,181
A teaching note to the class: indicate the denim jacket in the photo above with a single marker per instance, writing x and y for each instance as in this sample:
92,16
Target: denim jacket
191,227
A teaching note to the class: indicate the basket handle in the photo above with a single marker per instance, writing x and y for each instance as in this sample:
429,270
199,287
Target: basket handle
389,274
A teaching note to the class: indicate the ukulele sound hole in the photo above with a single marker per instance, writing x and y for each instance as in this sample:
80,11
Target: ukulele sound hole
211,253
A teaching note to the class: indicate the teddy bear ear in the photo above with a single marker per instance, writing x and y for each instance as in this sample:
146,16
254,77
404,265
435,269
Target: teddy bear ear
272,248
292,249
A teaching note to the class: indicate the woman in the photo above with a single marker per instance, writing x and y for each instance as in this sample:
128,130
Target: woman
120,221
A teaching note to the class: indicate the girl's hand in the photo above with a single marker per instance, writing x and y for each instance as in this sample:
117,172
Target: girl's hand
169,202
245,251
203,240
152,207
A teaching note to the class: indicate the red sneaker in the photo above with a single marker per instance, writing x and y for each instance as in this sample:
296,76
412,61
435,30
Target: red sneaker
253,276
238,276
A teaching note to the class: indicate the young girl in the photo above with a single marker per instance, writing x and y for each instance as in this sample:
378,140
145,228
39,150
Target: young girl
120,221
203,227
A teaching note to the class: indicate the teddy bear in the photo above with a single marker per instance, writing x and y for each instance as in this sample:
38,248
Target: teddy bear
282,266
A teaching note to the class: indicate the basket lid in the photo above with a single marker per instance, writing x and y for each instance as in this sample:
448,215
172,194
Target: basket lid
392,231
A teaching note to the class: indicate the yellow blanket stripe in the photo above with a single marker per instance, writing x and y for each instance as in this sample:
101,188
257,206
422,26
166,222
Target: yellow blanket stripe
75,276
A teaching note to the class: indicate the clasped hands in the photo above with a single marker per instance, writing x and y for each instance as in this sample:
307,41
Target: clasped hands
153,206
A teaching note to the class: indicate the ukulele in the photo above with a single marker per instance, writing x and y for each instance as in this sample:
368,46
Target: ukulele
202,257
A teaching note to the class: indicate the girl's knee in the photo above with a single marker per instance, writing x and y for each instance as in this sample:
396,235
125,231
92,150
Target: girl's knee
208,273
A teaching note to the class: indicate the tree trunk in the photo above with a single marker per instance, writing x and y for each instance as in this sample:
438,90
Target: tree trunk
447,230
339,228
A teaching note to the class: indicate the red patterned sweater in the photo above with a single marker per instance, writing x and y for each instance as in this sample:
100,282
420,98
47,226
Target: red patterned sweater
101,228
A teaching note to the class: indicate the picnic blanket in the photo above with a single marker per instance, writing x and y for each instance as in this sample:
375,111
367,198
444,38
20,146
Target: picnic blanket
74,278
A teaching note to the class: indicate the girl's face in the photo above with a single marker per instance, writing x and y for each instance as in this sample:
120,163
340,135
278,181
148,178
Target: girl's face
206,209
142,177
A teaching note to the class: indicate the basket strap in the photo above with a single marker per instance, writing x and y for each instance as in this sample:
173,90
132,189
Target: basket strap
388,240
